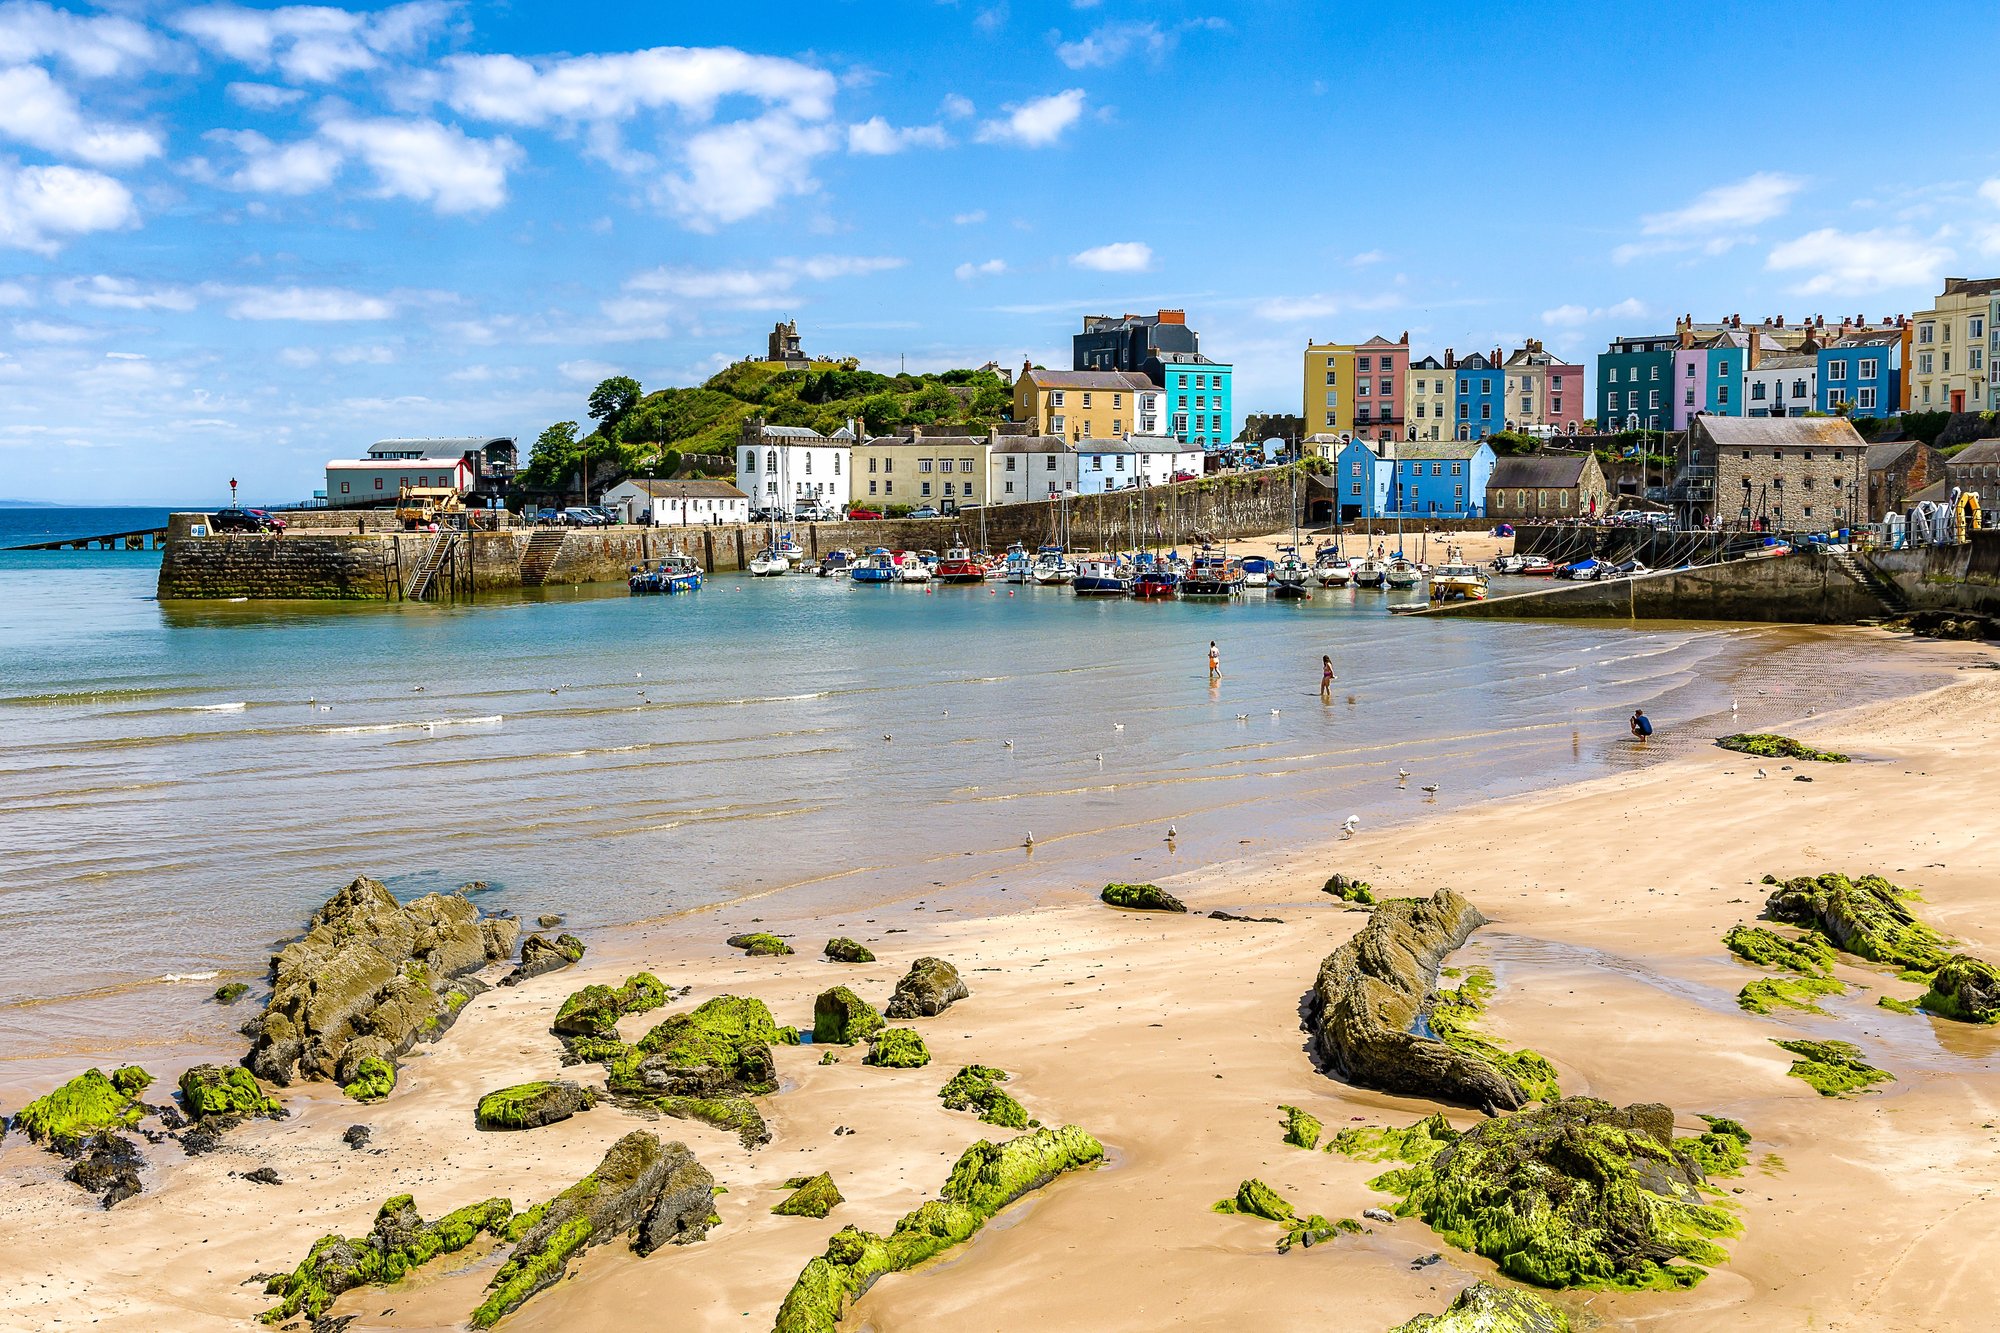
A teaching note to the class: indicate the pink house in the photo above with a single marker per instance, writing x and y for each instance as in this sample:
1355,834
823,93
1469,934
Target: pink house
1380,369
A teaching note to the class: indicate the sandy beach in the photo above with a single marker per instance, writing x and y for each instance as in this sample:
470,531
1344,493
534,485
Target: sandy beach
1174,1040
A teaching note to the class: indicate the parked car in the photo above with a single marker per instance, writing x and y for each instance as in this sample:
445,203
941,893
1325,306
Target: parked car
246,520
1185,475
768,514
859,515
578,516
812,514
923,511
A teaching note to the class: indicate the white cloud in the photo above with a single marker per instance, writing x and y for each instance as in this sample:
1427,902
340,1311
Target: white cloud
1367,257
1744,203
272,168
1038,123
312,43
992,20
42,206
302,358
373,355
968,219
1112,42
991,268
1575,316
98,46
734,171
315,305
1840,263
876,137
578,89
43,331
587,372
109,293
34,110
1117,257
14,294
752,289
264,96
431,163
956,105
1990,191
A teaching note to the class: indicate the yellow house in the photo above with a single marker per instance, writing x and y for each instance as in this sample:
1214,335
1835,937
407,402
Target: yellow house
1427,398
1948,363
939,470
1083,404
1329,388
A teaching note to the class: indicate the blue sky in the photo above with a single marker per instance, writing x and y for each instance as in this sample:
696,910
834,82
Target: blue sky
240,241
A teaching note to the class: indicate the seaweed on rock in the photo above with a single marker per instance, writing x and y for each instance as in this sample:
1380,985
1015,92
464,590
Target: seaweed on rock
532,1105
1302,1128
1417,1143
842,1018
1572,1193
1141,898
759,944
211,1092
1766,994
811,1196
930,987
594,1011
1864,916
400,1241
1770,745
987,1177
1486,1308
1373,992
897,1048
1831,1068
79,1108
1453,1012
843,950
1966,989
1348,890
1256,1199
1809,955
977,1088
373,1079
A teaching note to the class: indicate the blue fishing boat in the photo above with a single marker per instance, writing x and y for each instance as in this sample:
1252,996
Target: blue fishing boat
878,566
675,573
1100,577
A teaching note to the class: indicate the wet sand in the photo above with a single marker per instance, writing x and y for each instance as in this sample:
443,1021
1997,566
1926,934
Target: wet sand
1174,1040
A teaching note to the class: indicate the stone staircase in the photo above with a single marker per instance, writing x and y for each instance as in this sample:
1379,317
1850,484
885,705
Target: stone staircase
1894,603
540,557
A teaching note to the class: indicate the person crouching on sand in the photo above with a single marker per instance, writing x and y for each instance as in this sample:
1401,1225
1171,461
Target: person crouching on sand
1642,726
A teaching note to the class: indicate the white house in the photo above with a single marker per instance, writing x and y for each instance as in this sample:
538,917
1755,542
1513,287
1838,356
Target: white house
451,461
1030,467
677,503
1784,385
789,466
1116,465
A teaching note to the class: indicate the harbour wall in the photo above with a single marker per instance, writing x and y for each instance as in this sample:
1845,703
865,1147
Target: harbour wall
362,555
1798,589
1946,578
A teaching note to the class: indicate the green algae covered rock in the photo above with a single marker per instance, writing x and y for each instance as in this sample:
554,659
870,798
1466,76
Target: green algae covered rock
400,1241
1832,1068
977,1088
230,992
1350,890
1770,745
1141,898
727,1039
1965,988
930,987
1302,1129
844,950
594,1011
81,1107
131,1080
986,1179
1767,994
811,1196
1864,916
1418,1143
1486,1308
1722,1151
642,1184
1809,956
842,1018
739,1115
532,1105
897,1048
1308,1231
1255,1198
759,944
209,1091
1571,1193
1453,1013
374,1078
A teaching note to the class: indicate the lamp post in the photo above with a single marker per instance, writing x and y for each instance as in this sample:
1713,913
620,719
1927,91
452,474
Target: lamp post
232,492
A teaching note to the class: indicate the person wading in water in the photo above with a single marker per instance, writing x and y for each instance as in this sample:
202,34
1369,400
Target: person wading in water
1325,678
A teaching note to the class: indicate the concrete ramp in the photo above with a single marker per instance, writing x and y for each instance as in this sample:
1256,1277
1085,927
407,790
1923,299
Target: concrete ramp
1798,589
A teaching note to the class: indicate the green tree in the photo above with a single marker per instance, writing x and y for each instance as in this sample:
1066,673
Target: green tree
553,457
610,401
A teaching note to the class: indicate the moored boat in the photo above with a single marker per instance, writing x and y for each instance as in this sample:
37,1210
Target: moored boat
913,569
1256,571
674,573
878,566
958,566
1401,573
1019,567
768,562
837,561
1458,582
1212,575
1100,577
1368,572
1053,567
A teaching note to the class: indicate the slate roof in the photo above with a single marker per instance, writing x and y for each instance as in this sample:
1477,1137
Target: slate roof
1538,472
1778,432
1126,381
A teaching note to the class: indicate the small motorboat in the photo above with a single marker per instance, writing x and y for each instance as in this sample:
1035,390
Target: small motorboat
835,562
1401,573
958,566
1100,577
1257,571
1212,575
1156,581
878,566
1537,567
1453,583
1370,572
913,569
674,573
769,562
1019,566
1508,564
1053,567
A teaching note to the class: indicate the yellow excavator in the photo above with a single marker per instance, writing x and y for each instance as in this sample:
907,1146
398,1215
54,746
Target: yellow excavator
418,507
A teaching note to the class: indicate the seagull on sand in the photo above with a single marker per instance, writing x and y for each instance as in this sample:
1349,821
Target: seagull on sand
1006,745
1118,726
1171,833
1348,825
1274,712
1242,717
416,689
1402,775
1029,841
1431,788
887,737
1100,761
1762,774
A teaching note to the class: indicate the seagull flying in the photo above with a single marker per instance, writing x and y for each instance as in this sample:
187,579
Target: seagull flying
1006,745
887,737
1242,717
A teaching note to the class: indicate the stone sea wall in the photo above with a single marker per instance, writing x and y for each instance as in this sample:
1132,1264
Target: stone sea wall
1799,589
1947,578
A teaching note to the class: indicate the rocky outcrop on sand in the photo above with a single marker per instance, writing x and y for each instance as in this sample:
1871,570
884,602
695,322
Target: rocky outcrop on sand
977,1088
842,1018
1770,745
897,1048
1486,1308
987,1178
1141,898
844,950
1349,890
1302,1128
643,1185
399,1241
106,1165
1864,916
370,978
541,955
702,1065
89,1103
759,944
1573,1193
930,987
811,1196
532,1105
1375,992
1965,988
594,1011
1831,1068
219,1097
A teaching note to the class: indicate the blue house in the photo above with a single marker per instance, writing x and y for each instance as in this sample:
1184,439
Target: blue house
1200,409
1364,480
1864,372
1446,479
1480,396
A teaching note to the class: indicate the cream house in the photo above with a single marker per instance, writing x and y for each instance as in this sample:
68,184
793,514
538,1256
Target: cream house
1950,366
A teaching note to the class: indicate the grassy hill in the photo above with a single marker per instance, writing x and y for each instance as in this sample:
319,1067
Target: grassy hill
649,434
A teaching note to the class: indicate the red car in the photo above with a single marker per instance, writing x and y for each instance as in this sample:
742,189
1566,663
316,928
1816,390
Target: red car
858,514
1185,475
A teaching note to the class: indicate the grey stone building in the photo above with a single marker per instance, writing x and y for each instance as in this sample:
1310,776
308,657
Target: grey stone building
1535,487
1791,474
